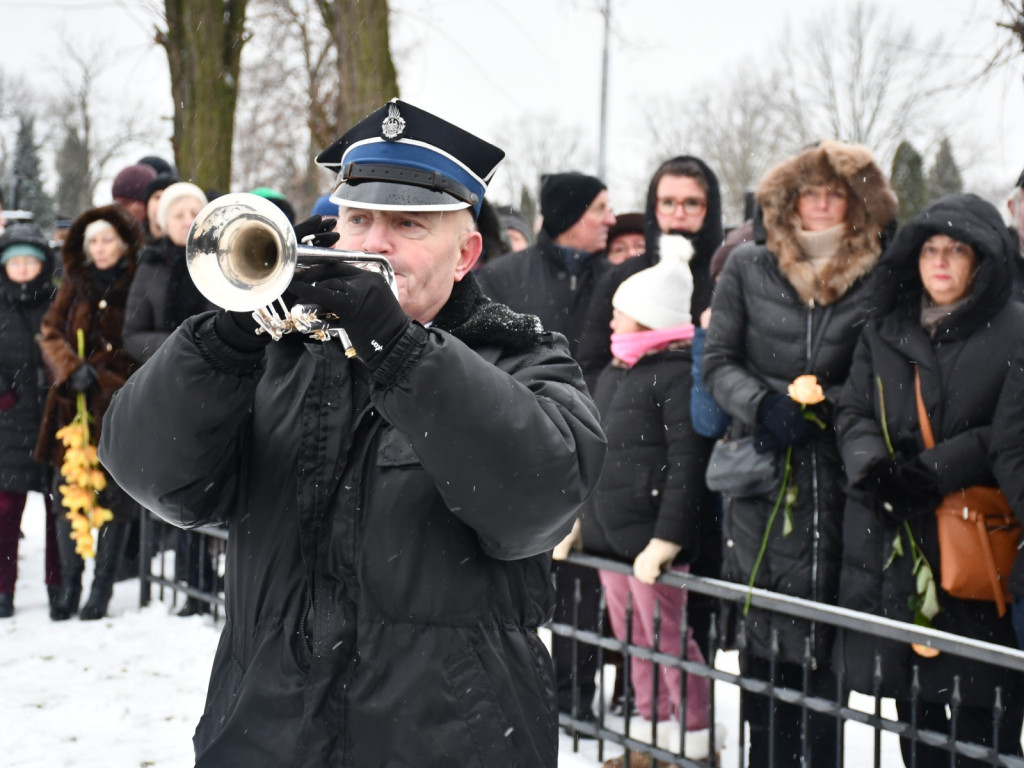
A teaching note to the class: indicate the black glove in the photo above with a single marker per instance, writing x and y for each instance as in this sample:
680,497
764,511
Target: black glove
317,231
365,306
903,489
83,378
8,400
238,330
782,424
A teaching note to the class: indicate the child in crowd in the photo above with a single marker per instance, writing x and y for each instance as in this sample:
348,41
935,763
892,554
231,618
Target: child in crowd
650,503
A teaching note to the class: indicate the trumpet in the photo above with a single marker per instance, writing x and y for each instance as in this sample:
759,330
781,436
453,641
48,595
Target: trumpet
242,254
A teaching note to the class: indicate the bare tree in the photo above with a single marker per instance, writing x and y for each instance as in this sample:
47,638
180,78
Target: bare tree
535,145
88,137
734,127
859,76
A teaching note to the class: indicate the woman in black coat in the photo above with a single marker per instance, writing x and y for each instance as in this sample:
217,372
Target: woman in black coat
25,291
946,314
793,303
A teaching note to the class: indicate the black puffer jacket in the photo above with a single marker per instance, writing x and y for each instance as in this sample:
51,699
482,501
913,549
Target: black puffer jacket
652,484
22,373
536,281
962,372
773,320
389,549
594,352
162,296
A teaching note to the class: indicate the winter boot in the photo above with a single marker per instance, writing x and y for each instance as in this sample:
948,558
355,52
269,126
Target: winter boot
6,605
108,554
53,595
69,592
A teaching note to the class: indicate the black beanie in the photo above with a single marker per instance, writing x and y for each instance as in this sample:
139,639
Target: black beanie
564,197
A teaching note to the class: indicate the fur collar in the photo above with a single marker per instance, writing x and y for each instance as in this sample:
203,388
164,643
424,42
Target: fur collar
871,209
474,319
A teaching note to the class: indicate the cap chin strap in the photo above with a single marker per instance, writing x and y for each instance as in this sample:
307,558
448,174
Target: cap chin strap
357,172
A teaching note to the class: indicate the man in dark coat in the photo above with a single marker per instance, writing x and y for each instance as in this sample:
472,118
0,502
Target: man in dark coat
391,516
554,279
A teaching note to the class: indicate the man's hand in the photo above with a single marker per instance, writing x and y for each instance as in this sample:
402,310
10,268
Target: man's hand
656,557
362,301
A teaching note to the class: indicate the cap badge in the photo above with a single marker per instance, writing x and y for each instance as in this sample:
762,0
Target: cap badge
393,125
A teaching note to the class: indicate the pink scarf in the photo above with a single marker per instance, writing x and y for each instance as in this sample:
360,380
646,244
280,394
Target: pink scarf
630,347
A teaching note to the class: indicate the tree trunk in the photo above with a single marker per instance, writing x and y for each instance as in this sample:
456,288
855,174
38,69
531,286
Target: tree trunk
366,73
204,40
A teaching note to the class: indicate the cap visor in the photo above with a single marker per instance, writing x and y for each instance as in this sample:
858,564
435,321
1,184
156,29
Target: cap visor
384,196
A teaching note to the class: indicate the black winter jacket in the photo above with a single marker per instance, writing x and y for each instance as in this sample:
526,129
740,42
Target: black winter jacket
535,281
22,373
962,372
390,539
652,485
162,296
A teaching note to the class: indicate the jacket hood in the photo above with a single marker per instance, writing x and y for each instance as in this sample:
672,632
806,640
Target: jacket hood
710,235
126,226
969,219
871,209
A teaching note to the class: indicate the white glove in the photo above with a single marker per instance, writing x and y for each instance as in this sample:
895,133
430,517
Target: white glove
571,542
656,556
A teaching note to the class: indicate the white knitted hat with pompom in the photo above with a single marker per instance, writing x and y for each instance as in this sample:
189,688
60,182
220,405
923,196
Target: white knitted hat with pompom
659,296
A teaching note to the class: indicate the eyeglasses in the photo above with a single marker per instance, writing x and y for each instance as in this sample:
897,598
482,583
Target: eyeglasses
691,205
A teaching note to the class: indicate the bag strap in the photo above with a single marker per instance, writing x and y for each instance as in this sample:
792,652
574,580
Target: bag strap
989,561
922,414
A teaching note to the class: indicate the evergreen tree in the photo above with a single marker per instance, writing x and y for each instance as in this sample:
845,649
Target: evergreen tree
944,176
29,192
908,181
74,180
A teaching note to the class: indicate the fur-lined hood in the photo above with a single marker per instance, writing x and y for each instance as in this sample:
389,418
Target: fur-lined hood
871,209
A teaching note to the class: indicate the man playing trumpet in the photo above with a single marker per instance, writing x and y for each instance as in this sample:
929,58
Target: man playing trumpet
391,515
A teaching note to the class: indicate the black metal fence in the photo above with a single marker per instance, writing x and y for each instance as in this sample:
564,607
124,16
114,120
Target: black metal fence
611,730
195,572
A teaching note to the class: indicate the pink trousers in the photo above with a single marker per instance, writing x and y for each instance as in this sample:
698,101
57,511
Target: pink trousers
618,588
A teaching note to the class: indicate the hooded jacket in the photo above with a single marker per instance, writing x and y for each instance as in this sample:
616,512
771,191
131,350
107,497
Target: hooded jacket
389,552
95,304
773,320
594,351
22,374
962,369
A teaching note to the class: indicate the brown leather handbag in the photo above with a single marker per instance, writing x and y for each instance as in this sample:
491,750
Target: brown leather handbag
978,534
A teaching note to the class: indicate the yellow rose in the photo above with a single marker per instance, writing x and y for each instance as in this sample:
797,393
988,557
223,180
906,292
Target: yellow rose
806,390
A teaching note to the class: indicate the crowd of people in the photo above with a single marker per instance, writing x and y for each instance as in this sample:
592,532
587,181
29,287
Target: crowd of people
581,374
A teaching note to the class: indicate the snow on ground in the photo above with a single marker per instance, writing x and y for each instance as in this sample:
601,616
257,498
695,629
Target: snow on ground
128,690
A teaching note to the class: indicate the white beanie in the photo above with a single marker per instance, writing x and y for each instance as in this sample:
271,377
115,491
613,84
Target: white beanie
175,192
659,296
93,228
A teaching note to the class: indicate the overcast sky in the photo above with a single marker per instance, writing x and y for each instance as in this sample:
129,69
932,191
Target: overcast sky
484,63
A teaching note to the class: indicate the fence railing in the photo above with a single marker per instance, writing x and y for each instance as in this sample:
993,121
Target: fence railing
206,585
195,570
616,730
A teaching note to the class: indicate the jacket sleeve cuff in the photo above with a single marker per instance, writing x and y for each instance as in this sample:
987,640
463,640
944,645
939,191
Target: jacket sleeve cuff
223,357
402,356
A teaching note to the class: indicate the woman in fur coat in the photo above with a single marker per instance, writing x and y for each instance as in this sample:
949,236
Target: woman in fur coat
793,303
99,263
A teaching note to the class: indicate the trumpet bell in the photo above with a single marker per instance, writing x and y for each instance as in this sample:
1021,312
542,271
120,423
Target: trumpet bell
241,252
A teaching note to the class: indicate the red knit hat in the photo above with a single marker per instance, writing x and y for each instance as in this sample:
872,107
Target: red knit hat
131,182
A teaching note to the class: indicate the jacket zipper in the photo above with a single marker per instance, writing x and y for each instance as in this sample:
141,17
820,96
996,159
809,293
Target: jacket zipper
815,511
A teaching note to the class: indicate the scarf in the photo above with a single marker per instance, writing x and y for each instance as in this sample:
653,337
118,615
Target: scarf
821,246
630,347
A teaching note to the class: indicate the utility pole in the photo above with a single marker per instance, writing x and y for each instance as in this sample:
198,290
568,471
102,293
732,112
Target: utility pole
602,158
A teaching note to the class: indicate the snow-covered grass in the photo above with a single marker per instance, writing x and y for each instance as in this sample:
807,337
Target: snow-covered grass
127,691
